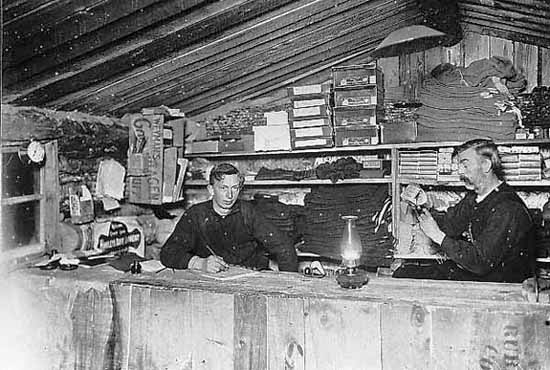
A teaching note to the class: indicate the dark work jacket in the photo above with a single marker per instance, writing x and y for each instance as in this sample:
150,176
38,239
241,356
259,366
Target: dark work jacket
243,237
486,241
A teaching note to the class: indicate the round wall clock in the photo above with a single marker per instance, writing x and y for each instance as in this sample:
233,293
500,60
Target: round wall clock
33,153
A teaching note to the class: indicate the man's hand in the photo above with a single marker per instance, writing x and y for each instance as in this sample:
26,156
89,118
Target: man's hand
208,264
415,195
430,227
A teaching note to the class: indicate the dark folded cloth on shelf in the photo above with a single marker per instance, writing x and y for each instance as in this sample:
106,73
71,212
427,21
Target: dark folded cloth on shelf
343,168
282,174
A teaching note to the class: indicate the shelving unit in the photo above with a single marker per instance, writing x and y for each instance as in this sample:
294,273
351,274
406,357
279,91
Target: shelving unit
394,180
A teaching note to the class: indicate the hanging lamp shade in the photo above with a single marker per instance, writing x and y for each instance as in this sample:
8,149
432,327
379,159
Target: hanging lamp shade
409,39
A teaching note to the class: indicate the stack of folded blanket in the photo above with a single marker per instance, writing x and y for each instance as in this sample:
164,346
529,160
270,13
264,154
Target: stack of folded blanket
464,103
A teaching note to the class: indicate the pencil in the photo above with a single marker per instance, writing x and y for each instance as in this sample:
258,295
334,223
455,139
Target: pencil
215,255
210,250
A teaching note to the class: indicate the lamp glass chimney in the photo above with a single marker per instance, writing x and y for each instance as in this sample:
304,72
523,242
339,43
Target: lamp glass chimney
350,246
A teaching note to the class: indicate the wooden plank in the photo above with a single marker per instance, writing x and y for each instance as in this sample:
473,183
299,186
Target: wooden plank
526,60
545,66
504,30
390,68
171,94
342,335
263,55
509,340
501,47
270,76
476,47
53,323
534,20
116,60
285,333
212,331
250,336
451,332
406,335
232,42
117,29
93,341
122,320
411,73
163,341
50,189
70,23
268,47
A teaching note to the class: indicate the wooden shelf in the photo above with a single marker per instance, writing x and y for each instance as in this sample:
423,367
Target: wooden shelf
385,180
544,182
416,145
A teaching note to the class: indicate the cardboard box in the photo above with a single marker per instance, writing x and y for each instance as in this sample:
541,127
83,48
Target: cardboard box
303,123
319,111
308,91
370,96
312,102
392,133
268,138
308,143
244,144
178,131
360,75
169,174
144,190
356,116
207,146
356,135
145,152
317,131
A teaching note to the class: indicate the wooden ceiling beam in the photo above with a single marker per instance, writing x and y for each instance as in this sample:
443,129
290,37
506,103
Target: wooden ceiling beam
143,49
316,39
232,44
241,54
37,42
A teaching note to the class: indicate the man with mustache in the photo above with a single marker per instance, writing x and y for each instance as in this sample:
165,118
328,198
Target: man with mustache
487,235
226,230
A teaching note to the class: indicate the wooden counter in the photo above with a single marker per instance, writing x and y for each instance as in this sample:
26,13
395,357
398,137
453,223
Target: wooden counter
102,319
288,321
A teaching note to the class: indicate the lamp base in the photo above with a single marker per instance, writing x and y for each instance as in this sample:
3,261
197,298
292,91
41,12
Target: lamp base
352,279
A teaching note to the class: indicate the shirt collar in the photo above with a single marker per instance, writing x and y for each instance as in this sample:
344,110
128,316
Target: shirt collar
235,209
480,199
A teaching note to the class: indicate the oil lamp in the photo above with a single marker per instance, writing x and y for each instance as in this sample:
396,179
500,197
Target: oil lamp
350,249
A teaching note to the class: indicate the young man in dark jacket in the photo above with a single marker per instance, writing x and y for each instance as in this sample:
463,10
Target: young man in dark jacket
487,235
225,230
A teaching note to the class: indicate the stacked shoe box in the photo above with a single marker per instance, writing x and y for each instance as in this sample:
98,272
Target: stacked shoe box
419,165
447,165
358,104
521,163
309,117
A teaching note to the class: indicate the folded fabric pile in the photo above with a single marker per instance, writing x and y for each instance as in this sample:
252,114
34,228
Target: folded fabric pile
342,168
323,229
282,174
464,103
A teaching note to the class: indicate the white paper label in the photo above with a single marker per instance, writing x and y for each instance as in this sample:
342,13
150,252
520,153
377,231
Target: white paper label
309,89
